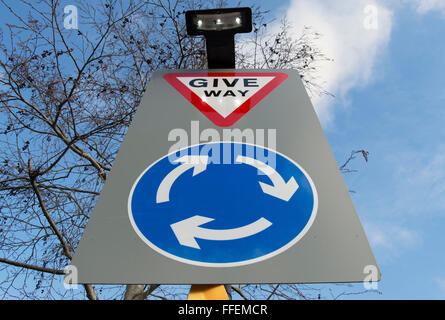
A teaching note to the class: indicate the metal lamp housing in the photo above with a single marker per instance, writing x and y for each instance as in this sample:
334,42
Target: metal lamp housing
219,27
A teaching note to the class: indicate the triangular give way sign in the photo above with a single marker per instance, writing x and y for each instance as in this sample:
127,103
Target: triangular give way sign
225,97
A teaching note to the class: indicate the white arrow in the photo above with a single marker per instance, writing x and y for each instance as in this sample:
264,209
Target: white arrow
188,229
199,163
279,189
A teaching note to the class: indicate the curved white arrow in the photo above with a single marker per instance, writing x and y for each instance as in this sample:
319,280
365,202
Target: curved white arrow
199,163
280,189
188,229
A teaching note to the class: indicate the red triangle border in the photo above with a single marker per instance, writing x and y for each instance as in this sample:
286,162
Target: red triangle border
236,115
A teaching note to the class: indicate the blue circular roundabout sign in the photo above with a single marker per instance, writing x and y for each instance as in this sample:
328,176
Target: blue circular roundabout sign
222,204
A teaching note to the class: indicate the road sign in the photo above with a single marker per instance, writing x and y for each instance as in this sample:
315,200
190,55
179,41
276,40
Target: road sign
225,97
245,192
201,209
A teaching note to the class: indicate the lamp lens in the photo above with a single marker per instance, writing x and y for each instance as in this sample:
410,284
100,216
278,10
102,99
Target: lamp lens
217,22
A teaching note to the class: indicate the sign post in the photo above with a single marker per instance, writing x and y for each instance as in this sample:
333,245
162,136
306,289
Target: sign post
208,292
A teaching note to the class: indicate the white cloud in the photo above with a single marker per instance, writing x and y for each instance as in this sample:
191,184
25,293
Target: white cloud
345,39
441,283
392,239
424,6
420,178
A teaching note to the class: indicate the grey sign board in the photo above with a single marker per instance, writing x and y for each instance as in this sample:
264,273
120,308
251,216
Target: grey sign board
224,176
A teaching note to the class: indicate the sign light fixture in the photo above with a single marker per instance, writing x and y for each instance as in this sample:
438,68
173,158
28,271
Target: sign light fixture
219,27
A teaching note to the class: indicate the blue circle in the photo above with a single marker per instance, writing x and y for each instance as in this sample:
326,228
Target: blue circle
228,192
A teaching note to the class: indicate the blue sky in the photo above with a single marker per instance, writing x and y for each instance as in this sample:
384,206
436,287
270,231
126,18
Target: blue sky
388,84
389,100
